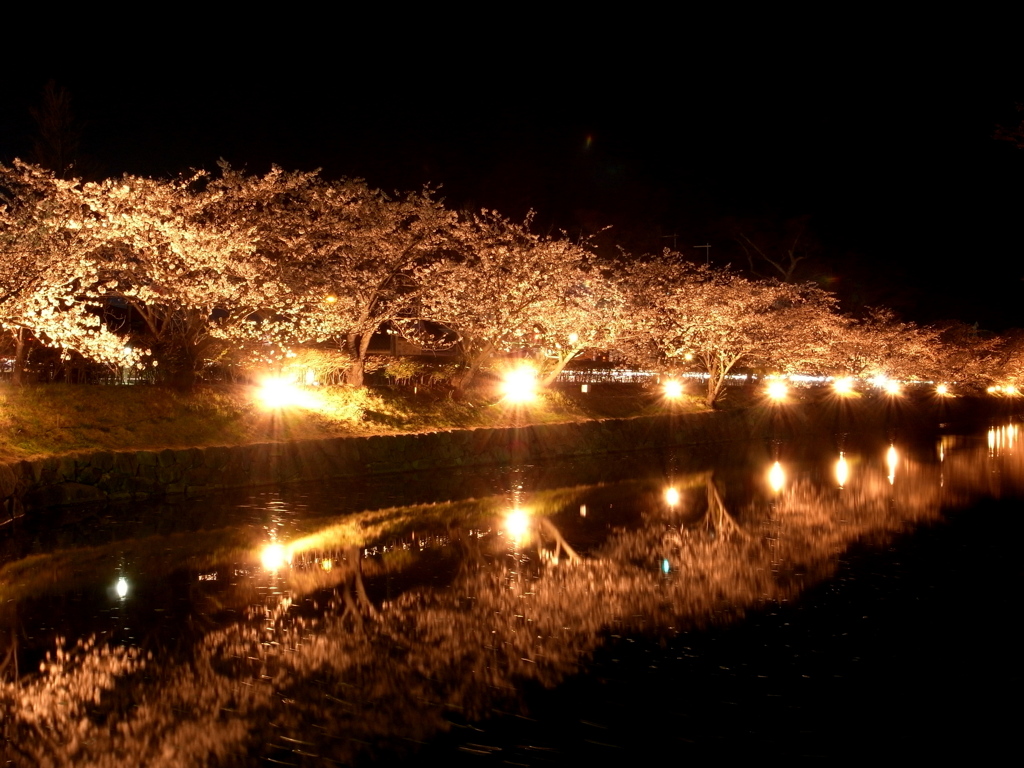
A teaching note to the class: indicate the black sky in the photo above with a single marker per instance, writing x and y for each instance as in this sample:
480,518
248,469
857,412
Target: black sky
885,142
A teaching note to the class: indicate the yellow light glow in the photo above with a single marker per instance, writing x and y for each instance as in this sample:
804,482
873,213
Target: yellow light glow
275,556
517,523
892,387
994,390
673,389
776,477
276,392
671,497
327,564
842,470
843,387
520,385
942,390
777,390
892,459
330,299
122,587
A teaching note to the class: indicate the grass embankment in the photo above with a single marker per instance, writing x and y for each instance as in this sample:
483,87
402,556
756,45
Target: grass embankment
45,420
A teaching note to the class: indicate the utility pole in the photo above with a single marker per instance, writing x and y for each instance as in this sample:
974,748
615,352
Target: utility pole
707,252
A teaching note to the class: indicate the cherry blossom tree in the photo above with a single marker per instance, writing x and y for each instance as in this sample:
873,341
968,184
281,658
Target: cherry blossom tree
48,248
882,345
719,320
185,256
508,289
346,254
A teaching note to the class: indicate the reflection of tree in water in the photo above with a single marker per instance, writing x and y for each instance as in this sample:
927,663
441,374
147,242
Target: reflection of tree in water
350,657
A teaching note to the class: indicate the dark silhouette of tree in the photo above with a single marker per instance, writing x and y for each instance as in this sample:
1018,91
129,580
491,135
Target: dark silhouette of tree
57,146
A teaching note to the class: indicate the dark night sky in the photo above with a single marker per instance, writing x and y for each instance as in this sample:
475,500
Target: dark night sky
886,144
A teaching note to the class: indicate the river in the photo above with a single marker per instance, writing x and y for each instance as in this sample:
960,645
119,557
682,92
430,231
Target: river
835,597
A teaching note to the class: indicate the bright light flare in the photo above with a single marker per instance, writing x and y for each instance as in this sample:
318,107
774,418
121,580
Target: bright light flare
942,390
276,392
776,477
517,524
671,497
122,588
520,385
892,387
777,390
673,389
843,387
275,556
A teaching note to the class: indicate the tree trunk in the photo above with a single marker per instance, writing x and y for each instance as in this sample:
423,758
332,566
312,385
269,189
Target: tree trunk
358,344
559,367
474,364
20,354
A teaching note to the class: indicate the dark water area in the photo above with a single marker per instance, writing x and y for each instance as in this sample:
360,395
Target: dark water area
840,596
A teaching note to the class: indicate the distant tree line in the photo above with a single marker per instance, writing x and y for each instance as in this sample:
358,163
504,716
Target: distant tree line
186,278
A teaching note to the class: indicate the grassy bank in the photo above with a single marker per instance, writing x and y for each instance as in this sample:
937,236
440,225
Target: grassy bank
47,420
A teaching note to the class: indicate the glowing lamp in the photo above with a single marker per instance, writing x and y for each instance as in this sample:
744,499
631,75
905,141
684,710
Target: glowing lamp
517,523
274,557
671,497
673,389
278,393
122,588
942,390
520,385
777,390
843,387
892,387
776,477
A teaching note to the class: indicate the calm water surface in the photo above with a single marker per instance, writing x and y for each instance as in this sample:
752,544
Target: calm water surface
838,597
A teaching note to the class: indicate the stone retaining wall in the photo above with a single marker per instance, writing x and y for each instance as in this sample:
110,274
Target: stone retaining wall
105,475
121,475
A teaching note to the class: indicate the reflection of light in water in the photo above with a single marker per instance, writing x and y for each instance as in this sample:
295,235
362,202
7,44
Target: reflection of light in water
776,477
274,556
583,510
517,522
665,567
891,459
671,497
122,587
842,471
327,564
1001,439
